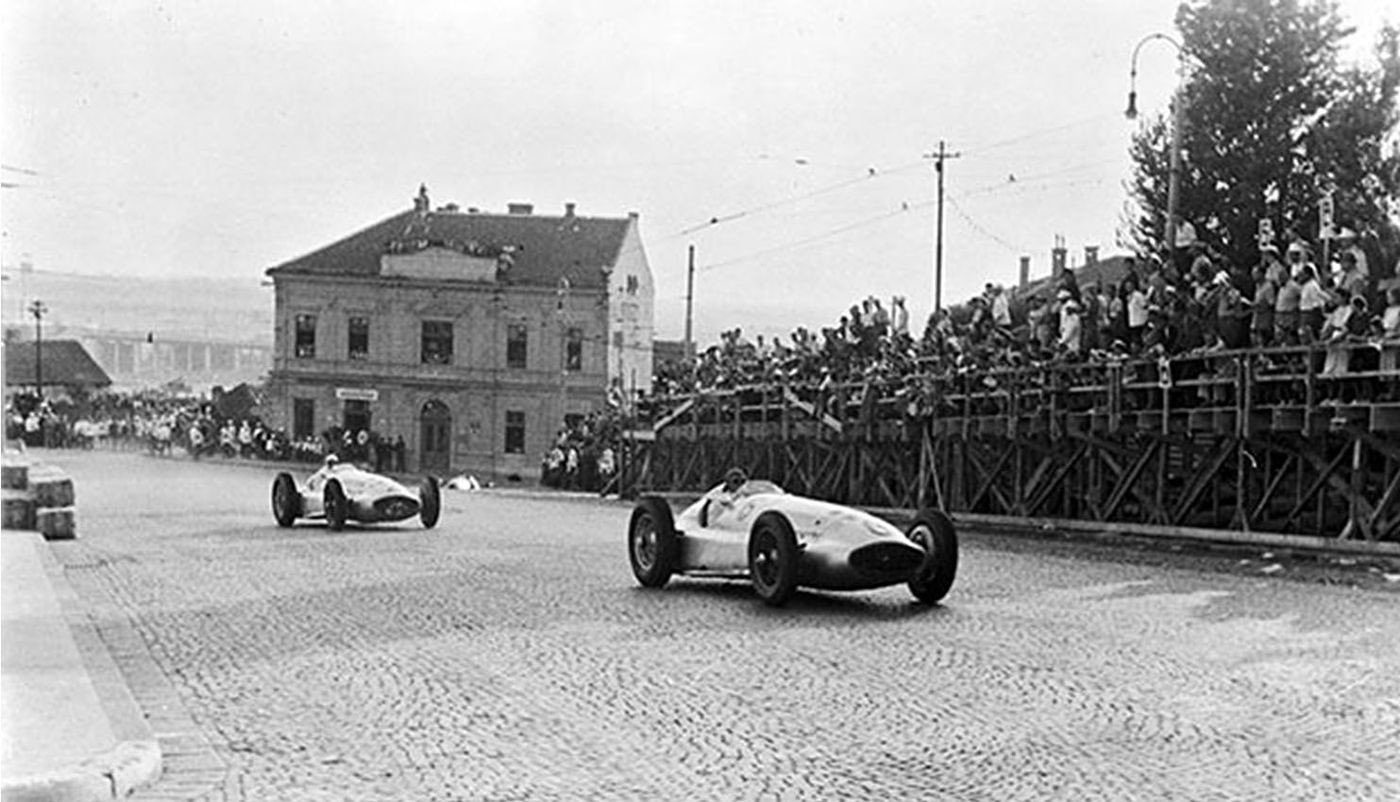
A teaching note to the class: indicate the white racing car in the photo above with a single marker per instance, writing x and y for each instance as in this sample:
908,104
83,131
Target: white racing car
341,492
752,528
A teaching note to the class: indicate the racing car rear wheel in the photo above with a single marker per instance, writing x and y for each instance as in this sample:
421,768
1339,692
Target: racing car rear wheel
773,559
337,506
933,530
286,499
652,545
429,502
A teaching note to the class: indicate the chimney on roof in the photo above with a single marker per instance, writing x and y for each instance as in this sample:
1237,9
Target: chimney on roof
420,203
1091,254
520,208
569,209
1025,271
1059,256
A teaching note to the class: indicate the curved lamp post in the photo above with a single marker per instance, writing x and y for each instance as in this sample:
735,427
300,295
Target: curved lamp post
1174,171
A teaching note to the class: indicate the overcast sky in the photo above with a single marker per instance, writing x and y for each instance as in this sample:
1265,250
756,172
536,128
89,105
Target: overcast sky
221,138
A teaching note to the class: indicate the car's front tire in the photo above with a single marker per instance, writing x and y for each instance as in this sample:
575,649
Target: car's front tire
286,499
652,545
429,502
337,506
934,532
773,556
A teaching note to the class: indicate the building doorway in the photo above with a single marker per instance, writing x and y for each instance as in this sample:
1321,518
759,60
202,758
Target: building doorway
435,438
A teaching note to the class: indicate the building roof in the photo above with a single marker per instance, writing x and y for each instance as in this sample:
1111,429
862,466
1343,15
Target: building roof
540,249
1109,270
66,363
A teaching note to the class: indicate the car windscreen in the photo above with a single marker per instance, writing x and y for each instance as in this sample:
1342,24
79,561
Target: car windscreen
754,487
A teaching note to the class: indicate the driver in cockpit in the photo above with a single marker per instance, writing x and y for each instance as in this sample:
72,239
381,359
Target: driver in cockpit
724,500
734,478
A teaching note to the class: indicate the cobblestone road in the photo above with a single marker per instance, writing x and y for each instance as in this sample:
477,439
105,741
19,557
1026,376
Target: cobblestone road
508,654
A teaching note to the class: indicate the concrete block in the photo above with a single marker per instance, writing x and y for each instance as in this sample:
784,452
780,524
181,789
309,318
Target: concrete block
18,509
14,475
55,523
52,490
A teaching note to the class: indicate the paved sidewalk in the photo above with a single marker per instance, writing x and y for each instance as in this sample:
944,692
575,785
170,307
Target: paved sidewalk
69,728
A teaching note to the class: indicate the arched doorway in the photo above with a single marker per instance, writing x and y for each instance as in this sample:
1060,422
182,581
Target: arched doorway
435,438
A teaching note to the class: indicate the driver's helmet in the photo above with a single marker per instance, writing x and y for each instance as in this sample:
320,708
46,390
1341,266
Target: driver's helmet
734,478
331,462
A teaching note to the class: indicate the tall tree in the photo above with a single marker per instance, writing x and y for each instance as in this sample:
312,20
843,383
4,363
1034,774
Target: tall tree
1273,121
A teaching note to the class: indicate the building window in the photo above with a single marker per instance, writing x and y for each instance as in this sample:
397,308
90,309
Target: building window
306,336
515,432
573,350
359,338
357,415
303,418
437,342
517,342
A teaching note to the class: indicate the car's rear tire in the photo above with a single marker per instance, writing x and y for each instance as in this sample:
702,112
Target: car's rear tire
286,499
773,557
429,502
652,545
933,530
337,506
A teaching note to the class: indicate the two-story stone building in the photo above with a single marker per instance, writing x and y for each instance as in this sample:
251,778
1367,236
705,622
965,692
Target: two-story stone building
470,335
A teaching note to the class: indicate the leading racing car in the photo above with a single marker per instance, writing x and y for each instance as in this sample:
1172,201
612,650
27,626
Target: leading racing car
752,528
341,491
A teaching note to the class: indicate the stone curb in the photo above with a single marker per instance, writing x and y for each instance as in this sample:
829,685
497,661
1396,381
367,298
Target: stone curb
135,761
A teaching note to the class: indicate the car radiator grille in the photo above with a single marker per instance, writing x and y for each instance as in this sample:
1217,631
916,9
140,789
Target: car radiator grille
886,558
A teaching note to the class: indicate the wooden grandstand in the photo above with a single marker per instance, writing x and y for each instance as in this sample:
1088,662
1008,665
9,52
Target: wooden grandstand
1302,440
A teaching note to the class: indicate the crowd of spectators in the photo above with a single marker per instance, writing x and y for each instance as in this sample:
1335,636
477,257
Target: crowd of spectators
1194,302
584,455
197,426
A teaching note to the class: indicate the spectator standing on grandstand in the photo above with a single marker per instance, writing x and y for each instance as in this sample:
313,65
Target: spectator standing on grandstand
899,318
1137,306
1347,243
1299,257
1265,297
1390,318
1286,315
1353,281
1312,303
1272,266
1232,314
1071,326
1001,308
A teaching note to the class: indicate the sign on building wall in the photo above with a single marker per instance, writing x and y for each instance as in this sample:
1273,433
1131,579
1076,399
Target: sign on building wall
356,394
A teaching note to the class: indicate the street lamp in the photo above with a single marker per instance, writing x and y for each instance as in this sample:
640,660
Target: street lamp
38,310
1174,171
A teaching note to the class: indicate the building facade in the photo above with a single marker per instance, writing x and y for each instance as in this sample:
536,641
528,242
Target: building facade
472,336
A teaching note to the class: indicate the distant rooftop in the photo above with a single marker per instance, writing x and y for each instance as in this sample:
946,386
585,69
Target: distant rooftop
539,249
66,363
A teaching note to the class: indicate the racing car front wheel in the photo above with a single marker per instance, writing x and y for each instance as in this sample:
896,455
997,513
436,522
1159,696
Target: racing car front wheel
337,506
286,499
773,559
933,530
430,502
651,542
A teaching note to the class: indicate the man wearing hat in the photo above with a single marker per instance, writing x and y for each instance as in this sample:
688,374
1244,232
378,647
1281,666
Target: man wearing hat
1347,242
1071,326
1271,263
1298,258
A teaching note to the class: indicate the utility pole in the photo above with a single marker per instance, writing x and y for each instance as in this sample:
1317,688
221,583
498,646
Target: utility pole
563,311
939,158
38,310
689,304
